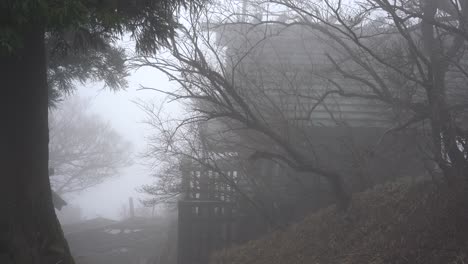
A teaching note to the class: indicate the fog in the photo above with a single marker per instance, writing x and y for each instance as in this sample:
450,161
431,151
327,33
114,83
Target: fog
119,108
234,132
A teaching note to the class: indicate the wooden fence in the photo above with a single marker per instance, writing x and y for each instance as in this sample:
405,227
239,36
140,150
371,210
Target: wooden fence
208,214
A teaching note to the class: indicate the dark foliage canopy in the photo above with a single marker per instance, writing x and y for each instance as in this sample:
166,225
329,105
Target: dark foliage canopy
81,35
150,22
101,62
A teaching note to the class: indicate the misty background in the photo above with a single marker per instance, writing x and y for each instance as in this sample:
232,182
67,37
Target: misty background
119,109
297,132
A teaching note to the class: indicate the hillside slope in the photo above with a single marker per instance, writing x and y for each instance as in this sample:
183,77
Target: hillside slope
402,222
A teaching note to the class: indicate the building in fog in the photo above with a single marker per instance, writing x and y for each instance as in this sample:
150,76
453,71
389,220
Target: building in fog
292,78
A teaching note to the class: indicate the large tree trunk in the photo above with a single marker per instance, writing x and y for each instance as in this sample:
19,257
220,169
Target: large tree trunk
446,152
29,229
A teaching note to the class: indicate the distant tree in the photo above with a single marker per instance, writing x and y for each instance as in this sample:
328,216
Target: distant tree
167,186
29,230
84,150
164,166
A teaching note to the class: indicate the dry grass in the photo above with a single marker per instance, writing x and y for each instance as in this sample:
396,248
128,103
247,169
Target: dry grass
402,222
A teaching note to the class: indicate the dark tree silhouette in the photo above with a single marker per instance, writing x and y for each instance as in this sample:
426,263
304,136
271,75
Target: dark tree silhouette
29,230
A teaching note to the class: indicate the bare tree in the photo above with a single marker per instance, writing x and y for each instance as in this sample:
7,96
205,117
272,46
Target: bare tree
409,55
216,81
177,151
84,149
406,58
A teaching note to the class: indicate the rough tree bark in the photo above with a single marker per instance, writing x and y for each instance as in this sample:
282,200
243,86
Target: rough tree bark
29,229
444,135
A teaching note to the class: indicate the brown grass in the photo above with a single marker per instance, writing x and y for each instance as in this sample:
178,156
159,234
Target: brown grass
403,222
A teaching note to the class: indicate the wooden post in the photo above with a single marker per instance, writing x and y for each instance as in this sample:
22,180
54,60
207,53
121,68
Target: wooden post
131,208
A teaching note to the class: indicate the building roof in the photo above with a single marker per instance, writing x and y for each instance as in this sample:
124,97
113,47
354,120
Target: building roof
88,225
58,201
286,70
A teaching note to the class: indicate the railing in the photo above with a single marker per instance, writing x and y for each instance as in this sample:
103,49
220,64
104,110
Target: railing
208,214
204,226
